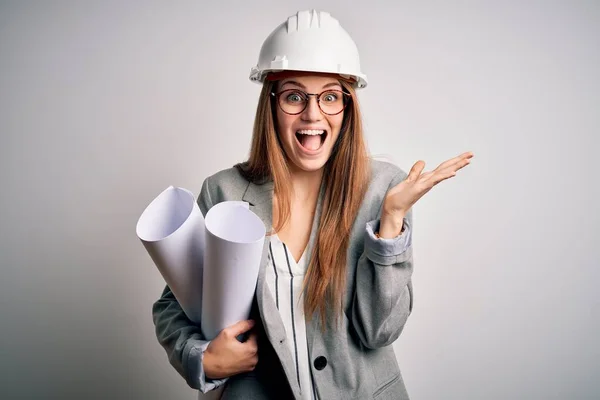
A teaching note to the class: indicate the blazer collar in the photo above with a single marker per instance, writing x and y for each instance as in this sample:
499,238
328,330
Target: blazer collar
258,193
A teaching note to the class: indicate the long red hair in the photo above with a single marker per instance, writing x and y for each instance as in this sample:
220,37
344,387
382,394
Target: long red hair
345,177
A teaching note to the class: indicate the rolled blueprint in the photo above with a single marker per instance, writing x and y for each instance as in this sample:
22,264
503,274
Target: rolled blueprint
172,230
234,243
210,264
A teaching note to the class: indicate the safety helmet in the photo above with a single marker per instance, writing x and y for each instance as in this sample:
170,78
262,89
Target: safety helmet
310,41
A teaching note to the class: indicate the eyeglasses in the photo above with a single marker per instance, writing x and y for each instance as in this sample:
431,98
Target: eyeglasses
294,101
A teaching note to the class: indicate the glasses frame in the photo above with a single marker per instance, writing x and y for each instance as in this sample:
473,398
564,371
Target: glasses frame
347,98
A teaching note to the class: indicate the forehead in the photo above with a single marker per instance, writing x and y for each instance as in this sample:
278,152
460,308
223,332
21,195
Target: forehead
310,82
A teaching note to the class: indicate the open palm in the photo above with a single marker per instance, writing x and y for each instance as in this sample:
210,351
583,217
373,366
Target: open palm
404,195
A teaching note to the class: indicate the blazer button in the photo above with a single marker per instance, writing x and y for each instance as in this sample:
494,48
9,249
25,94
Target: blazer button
320,363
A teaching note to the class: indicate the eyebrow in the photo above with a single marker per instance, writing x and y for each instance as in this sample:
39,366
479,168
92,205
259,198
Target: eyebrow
304,87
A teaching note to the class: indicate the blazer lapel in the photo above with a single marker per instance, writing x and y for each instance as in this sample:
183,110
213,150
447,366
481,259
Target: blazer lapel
260,199
312,324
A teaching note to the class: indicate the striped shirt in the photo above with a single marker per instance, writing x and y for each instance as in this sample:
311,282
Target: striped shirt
285,277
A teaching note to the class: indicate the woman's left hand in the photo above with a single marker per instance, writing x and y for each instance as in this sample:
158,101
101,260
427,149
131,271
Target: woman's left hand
404,195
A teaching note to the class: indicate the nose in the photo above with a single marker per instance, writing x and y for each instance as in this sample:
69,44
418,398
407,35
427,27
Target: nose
312,112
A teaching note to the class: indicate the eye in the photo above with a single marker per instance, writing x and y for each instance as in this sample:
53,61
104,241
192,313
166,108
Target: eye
330,97
294,97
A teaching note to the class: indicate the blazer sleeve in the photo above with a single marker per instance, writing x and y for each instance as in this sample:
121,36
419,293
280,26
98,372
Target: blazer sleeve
383,298
181,338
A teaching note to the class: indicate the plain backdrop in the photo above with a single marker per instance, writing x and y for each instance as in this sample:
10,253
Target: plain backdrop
104,104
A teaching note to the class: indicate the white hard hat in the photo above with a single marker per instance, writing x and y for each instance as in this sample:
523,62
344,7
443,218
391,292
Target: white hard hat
311,41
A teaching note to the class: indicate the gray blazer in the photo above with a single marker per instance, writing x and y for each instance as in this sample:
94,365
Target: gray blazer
354,361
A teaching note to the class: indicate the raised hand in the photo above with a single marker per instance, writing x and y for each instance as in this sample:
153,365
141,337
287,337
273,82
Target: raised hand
226,356
404,195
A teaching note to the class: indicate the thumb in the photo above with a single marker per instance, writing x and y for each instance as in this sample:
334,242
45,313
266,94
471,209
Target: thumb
240,327
415,171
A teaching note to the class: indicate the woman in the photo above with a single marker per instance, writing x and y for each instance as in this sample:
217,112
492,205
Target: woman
334,288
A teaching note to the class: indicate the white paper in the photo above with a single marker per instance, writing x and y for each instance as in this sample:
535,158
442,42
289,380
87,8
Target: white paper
172,231
211,265
234,243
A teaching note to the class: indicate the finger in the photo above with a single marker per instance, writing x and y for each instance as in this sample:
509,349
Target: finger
252,338
252,343
252,363
415,171
439,177
239,328
456,166
464,156
451,162
448,172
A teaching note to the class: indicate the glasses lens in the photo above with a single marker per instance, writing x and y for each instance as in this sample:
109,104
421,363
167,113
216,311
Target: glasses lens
293,101
332,101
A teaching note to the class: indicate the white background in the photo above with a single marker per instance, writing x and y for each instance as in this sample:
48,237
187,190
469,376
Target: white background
105,104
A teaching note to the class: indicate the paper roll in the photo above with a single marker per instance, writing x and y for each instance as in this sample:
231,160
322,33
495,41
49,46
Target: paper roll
172,230
234,244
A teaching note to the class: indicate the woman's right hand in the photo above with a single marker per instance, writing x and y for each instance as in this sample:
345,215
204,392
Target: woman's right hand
226,356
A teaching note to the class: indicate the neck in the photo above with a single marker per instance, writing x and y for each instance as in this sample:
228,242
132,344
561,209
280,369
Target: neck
306,185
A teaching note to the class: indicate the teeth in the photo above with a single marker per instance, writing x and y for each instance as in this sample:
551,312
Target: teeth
311,132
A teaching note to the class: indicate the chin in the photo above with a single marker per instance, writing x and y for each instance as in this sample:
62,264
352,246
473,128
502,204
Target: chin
310,165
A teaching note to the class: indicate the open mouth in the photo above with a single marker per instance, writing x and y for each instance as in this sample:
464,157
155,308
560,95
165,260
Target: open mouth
311,139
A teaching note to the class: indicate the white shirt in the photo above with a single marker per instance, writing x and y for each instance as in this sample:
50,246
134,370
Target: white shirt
285,278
